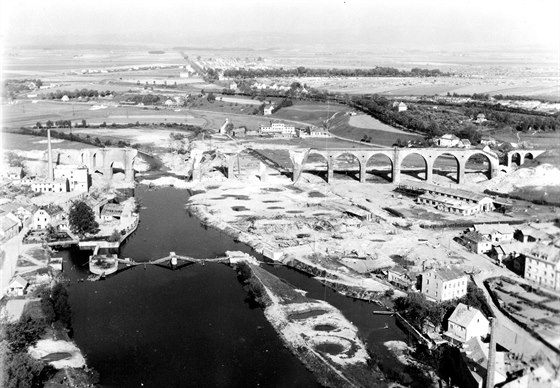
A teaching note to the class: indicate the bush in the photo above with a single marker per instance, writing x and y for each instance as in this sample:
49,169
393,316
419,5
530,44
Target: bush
23,371
24,333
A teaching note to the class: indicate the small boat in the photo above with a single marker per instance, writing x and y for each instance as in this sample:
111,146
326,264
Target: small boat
386,326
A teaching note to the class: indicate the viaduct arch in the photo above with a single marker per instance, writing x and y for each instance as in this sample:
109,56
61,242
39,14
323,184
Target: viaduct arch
103,159
396,157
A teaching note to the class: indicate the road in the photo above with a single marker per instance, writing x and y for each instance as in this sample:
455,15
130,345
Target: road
509,333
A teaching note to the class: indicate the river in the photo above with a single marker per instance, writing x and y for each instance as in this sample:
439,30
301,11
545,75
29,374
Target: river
194,326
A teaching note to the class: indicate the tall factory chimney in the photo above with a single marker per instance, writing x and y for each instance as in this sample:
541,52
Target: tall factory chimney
491,367
51,172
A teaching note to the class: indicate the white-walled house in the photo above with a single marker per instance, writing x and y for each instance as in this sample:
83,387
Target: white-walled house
444,284
278,129
45,216
17,286
465,323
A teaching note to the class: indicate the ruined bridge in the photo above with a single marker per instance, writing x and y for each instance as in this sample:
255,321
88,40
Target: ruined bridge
396,156
102,160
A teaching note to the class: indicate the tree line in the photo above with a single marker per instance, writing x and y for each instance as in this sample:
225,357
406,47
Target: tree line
84,93
301,71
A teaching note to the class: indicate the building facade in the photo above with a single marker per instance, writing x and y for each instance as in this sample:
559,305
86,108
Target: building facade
444,284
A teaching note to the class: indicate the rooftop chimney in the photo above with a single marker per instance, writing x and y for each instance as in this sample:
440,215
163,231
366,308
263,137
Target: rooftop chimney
51,173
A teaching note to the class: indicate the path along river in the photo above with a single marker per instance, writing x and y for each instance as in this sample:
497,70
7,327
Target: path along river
194,326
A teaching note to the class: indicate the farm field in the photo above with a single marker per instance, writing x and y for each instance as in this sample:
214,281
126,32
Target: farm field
310,112
13,141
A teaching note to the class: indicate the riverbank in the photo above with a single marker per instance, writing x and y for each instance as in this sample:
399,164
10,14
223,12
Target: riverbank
316,332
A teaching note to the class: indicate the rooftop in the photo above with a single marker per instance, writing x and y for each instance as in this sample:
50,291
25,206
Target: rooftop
494,228
442,190
464,315
448,273
475,236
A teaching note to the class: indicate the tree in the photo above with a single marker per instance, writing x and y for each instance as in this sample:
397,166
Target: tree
84,123
82,220
14,160
24,333
211,97
23,371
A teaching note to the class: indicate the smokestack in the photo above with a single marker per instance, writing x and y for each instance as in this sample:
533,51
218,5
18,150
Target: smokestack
51,172
491,367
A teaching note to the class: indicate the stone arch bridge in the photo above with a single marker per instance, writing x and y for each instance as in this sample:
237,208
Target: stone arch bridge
396,156
103,160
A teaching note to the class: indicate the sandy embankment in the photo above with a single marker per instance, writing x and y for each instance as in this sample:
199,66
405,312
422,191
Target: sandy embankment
45,347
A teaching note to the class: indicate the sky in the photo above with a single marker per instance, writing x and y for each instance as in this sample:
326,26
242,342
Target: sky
394,24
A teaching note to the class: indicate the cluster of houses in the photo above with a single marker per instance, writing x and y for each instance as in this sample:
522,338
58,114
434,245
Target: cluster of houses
531,250
467,327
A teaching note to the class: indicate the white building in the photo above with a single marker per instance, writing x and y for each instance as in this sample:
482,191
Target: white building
444,284
12,172
17,286
465,323
233,86
48,215
497,233
277,129
268,110
46,186
77,176
542,266
448,140
65,98
313,132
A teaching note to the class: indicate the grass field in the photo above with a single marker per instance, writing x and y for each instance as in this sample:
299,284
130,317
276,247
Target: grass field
310,112
13,141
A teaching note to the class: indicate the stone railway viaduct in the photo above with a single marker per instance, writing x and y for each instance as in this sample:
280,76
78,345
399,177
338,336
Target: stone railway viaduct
103,160
396,156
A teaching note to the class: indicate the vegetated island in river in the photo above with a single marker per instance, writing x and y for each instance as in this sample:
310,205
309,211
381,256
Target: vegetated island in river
316,332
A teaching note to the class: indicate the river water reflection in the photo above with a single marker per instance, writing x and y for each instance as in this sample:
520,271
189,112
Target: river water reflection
193,327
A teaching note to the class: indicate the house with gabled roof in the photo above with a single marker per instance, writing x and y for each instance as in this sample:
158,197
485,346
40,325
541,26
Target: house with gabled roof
47,215
17,286
497,233
475,355
465,323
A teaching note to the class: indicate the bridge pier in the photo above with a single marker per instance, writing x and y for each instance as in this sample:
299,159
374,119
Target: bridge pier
231,166
129,174
330,173
362,172
108,173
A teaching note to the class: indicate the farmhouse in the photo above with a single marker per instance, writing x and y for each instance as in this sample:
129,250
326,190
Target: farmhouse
47,215
444,284
465,323
449,205
65,98
268,110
